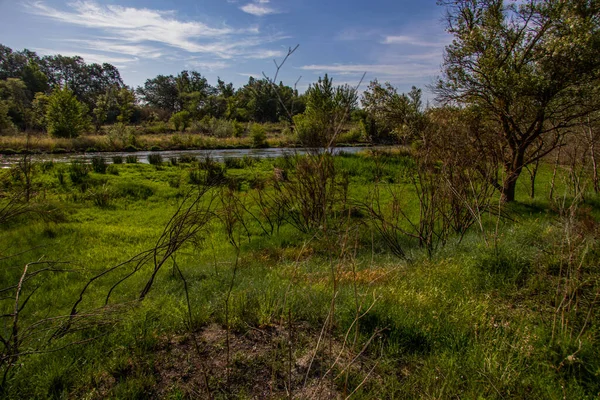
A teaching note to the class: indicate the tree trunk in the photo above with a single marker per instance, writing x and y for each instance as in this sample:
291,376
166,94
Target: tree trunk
513,171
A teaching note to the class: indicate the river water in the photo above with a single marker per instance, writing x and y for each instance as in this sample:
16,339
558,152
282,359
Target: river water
142,156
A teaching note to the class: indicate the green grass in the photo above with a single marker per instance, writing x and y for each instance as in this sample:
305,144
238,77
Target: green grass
473,320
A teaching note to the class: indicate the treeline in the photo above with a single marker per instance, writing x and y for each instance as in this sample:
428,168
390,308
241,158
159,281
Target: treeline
66,97
94,94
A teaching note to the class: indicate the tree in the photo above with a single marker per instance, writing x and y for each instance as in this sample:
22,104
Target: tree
66,116
126,103
14,92
530,67
393,115
327,107
161,92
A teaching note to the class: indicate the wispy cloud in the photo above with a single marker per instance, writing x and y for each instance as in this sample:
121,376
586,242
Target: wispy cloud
407,72
89,57
411,41
259,8
143,32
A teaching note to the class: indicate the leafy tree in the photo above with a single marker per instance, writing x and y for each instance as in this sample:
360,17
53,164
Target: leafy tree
393,115
66,116
161,92
126,103
327,107
530,67
14,92
39,107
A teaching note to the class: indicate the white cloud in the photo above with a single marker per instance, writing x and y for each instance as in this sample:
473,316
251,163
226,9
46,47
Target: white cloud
138,31
115,46
411,41
208,65
88,57
258,9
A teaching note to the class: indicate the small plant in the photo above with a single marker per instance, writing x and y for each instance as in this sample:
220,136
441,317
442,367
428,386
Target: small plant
78,172
101,196
60,175
117,159
187,159
173,160
233,163
155,159
131,159
112,169
99,164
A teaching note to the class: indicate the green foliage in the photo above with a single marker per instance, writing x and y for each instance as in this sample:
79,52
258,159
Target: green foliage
117,159
155,159
181,120
258,135
327,108
131,159
66,117
78,172
99,164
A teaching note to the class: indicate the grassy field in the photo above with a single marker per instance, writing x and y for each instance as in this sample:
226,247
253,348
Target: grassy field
250,300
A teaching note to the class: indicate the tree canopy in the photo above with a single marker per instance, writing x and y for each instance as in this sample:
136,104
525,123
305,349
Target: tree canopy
530,67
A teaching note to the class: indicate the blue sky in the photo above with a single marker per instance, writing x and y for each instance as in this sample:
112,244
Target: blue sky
398,41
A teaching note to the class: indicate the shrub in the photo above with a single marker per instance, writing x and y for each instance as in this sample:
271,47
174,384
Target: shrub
181,120
187,159
258,135
155,159
112,169
234,163
78,172
222,128
157,128
99,164
155,148
131,148
117,159
101,196
238,129
173,161
131,159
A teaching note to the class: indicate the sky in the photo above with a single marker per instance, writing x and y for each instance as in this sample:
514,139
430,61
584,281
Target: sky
396,41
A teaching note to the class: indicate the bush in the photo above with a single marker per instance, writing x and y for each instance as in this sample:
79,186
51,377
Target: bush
258,135
155,148
157,128
99,165
131,159
234,163
112,169
155,159
101,197
187,159
222,128
173,161
181,120
117,159
78,172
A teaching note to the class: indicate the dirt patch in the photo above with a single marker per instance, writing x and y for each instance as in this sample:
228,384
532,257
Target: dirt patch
255,364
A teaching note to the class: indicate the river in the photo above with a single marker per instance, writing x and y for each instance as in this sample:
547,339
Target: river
142,156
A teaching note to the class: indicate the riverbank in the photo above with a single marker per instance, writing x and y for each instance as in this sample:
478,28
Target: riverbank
130,140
